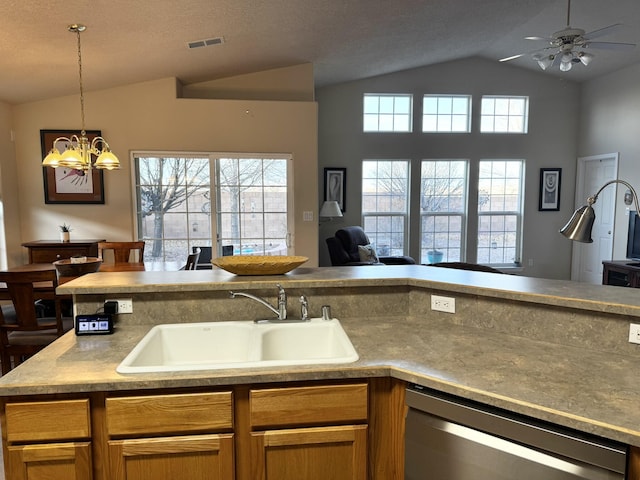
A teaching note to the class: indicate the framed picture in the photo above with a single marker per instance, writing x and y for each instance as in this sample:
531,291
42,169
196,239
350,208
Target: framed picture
66,185
335,185
550,189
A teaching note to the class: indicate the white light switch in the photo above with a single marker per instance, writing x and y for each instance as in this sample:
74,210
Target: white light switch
307,216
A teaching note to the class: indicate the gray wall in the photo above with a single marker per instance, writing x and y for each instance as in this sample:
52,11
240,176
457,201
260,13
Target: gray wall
610,122
551,142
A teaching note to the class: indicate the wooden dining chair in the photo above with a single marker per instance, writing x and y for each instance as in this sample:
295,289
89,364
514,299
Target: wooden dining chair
122,252
26,332
192,260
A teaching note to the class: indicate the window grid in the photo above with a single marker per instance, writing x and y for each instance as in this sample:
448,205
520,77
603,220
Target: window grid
385,204
443,197
446,113
172,201
500,194
387,112
502,114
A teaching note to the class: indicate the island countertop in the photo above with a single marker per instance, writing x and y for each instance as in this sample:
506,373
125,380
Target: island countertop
600,298
588,390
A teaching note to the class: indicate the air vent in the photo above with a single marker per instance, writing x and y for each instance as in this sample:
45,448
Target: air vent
206,43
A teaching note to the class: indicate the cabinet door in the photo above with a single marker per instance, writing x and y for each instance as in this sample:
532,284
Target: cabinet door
322,453
192,457
54,461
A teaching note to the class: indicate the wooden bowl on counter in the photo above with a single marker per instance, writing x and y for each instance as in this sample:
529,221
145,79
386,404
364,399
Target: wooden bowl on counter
77,266
259,264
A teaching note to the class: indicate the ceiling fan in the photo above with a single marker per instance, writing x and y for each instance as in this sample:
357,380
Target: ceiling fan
567,46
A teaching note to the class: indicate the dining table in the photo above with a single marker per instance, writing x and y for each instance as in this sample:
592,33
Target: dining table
45,289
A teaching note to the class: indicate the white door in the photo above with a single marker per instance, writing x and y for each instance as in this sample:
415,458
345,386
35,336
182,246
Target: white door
593,173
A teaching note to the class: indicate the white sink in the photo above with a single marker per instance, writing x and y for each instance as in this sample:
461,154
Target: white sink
216,345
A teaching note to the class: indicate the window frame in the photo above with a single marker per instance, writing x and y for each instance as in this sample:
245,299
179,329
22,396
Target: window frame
450,116
463,214
374,214
519,214
524,115
211,157
393,114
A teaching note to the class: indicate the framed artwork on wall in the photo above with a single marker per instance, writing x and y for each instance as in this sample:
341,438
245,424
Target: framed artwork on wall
335,185
550,179
67,185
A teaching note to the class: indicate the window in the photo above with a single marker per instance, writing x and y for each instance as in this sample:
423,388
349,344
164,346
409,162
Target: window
385,204
172,203
252,211
500,114
446,113
500,203
443,207
175,198
387,113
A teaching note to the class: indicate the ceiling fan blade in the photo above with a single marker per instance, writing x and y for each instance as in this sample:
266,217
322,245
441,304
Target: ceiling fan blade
513,57
546,39
609,45
601,31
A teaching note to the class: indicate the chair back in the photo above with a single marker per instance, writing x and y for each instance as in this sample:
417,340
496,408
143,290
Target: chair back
123,252
192,260
26,332
21,287
204,261
343,247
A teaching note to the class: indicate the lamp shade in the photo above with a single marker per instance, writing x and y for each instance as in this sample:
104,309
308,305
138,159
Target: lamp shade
330,209
579,227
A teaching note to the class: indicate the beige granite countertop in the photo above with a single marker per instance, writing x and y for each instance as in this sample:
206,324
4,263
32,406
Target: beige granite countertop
568,386
512,287
580,388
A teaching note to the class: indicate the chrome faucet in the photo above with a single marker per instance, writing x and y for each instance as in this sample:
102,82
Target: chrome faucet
281,311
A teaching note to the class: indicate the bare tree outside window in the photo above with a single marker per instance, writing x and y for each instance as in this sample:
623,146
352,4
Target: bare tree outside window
252,205
385,204
173,203
443,203
176,195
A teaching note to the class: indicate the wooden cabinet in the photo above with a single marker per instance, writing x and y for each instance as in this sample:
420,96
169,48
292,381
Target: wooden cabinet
621,273
48,439
311,432
47,251
170,437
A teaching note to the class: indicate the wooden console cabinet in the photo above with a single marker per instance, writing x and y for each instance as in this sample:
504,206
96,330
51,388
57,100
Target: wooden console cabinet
47,251
621,273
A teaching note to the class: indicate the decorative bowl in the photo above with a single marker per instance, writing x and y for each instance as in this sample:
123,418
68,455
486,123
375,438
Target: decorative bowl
72,268
259,264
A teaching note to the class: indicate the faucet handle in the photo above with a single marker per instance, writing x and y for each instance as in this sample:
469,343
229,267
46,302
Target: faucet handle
304,308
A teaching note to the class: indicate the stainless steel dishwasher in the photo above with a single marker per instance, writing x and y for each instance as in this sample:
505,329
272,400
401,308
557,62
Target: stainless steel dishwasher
448,438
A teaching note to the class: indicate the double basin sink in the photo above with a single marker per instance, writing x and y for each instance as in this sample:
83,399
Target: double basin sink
239,344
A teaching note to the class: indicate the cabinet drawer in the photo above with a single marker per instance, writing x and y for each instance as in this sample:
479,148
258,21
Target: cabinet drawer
296,406
43,421
159,414
48,255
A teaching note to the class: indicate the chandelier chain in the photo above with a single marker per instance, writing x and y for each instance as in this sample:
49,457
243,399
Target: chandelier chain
80,82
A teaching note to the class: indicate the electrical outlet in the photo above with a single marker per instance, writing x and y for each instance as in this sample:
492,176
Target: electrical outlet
634,333
125,305
443,304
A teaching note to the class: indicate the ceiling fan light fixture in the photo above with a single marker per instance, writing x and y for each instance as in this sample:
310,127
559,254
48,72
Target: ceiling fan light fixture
545,62
585,58
565,66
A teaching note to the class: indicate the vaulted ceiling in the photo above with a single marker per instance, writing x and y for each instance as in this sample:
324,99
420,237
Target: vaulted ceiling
132,41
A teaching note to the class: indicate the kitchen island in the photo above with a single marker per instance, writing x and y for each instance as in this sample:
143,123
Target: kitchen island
551,350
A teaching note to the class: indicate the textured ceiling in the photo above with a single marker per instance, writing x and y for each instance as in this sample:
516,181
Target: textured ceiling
129,41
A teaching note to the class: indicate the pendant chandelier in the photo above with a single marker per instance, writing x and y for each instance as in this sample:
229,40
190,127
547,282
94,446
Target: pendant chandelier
78,151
